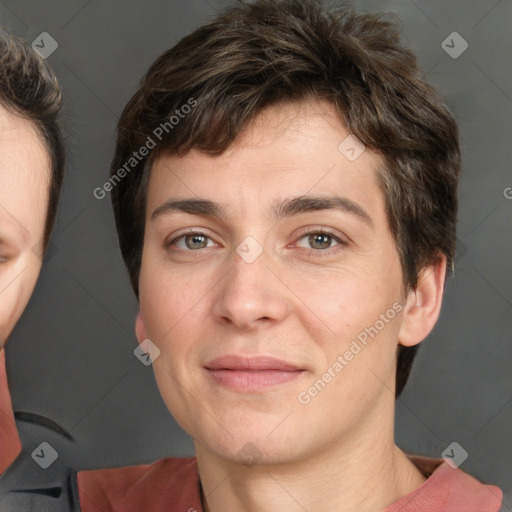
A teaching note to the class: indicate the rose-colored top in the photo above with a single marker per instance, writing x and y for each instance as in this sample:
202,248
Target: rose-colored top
10,444
172,484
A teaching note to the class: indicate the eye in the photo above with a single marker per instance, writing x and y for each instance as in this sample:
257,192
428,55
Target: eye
6,252
318,240
190,241
321,240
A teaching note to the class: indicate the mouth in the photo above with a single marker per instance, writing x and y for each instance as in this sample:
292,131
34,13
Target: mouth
252,374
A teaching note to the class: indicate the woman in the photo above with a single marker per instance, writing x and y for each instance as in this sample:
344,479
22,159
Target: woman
265,184
31,172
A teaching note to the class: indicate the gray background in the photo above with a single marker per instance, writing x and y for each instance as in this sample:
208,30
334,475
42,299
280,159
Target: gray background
71,356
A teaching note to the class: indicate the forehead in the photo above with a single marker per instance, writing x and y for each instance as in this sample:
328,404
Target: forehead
288,150
24,176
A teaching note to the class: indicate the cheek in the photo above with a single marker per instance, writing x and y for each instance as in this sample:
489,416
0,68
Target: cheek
359,371
170,307
165,303
354,317
17,282
8,310
341,302
171,304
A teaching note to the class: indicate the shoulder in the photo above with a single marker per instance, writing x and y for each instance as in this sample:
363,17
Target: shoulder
150,487
10,444
465,492
448,489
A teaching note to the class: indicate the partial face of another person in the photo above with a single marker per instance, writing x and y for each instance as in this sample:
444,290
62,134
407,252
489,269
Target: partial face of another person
24,182
253,304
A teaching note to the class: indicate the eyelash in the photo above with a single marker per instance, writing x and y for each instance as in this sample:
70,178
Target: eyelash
310,231
324,231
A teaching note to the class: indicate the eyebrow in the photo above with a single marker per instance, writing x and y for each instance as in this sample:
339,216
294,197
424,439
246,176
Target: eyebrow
280,209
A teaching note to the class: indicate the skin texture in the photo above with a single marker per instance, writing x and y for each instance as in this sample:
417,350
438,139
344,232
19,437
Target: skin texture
297,301
24,181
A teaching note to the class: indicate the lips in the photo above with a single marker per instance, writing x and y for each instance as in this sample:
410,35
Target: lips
251,374
232,362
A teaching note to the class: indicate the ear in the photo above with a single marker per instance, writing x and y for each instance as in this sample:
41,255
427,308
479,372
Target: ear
140,328
423,304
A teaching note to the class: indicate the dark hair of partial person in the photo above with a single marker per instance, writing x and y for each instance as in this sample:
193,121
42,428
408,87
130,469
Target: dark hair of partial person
259,54
29,89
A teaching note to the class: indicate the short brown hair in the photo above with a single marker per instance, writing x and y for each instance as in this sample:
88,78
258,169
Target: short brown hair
29,89
258,54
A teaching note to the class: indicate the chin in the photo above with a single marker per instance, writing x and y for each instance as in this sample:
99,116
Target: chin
252,451
259,444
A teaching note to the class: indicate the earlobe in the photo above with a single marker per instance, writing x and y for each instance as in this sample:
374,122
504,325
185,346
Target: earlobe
423,304
140,328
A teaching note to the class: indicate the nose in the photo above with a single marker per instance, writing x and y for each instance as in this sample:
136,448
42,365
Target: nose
250,295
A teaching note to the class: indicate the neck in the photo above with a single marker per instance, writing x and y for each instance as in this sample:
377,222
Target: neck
367,473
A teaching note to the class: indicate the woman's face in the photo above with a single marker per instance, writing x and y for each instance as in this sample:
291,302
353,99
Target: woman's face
24,182
258,283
